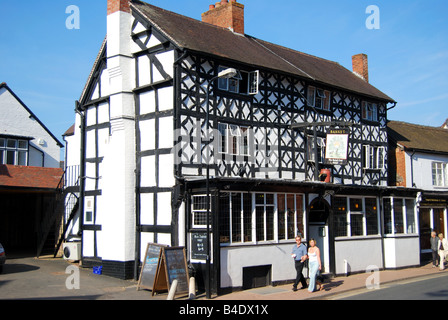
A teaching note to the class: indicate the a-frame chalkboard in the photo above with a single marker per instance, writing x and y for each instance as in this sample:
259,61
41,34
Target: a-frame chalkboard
172,266
149,267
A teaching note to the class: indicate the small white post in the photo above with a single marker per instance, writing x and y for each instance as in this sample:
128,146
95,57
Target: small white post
173,289
192,293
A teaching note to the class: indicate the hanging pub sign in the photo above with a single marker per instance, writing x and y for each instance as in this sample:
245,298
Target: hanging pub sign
337,146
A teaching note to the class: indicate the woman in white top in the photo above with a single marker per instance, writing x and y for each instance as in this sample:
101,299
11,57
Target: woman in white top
314,264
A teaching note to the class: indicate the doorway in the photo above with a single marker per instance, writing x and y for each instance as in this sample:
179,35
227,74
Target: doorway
318,229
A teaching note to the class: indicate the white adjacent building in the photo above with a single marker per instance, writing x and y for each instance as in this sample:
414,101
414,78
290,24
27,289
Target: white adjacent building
420,154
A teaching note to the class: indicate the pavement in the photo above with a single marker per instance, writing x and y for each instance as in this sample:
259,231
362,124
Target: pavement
28,278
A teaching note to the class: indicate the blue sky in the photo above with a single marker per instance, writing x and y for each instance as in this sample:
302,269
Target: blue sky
47,65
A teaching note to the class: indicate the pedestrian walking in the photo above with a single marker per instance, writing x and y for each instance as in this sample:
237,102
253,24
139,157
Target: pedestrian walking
443,250
299,254
314,264
435,255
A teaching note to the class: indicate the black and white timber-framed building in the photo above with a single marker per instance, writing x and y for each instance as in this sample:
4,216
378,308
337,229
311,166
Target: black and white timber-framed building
141,128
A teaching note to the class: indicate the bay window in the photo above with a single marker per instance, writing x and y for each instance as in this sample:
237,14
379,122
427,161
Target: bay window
399,216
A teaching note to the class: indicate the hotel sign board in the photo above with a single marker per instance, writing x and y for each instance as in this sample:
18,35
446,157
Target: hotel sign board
336,151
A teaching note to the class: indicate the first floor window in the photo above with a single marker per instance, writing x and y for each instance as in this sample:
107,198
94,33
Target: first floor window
13,151
369,111
440,174
233,139
373,157
319,98
311,150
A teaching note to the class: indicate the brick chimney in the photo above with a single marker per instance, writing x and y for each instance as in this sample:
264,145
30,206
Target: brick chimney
226,14
117,5
361,66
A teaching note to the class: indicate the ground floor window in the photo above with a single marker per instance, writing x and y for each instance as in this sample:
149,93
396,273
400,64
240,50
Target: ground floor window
355,216
258,217
399,216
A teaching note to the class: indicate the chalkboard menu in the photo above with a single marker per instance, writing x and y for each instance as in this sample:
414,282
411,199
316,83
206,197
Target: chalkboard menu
199,245
150,264
176,268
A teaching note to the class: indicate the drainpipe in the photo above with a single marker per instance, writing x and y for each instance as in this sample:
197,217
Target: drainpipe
82,170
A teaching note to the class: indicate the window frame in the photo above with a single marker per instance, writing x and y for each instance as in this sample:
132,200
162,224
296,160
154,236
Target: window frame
245,82
319,98
374,157
390,217
351,212
439,175
369,111
233,139
11,147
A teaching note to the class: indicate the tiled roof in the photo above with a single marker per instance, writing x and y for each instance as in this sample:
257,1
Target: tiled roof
195,35
30,177
418,137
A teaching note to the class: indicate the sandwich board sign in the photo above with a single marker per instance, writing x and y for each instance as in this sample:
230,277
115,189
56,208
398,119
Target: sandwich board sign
150,264
172,266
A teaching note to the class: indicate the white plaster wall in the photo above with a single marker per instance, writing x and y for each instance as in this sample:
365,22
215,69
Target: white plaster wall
15,120
234,259
359,254
401,252
422,168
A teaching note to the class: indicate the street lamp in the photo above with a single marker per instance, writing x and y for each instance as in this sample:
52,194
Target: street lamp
225,74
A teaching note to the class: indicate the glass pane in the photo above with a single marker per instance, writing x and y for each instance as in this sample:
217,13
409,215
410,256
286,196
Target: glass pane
23,144
282,217
410,216
387,216
10,157
224,218
22,158
299,214
2,142
12,143
236,217
371,216
356,225
259,220
340,217
1,156
355,204
398,215
247,212
270,223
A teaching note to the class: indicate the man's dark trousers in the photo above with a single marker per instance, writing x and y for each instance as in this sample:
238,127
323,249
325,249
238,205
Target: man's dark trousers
299,278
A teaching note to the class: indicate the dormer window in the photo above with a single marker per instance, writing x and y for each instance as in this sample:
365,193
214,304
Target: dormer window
369,111
244,82
319,99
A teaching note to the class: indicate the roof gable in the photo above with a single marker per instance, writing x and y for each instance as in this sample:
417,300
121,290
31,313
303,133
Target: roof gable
418,137
6,87
194,35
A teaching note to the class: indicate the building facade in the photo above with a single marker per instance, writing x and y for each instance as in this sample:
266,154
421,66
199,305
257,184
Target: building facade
291,144
30,178
421,157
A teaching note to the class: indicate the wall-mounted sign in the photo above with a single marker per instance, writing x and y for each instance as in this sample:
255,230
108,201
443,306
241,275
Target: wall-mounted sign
337,146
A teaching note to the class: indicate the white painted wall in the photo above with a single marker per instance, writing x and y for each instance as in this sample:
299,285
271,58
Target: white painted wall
421,165
235,258
359,254
401,252
15,120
